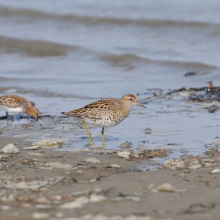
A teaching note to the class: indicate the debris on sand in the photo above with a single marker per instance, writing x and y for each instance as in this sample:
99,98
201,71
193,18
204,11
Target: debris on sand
79,172
32,185
161,152
92,160
36,147
76,204
199,207
40,215
124,154
116,166
189,163
166,187
97,198
49,144
9,149
133,198
144,154
5,207
207,94
61,166
215,171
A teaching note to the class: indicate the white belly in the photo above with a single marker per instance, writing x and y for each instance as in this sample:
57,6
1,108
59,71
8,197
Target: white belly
13,110
101,123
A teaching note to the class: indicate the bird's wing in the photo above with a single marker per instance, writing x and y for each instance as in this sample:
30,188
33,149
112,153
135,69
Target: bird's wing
95,109
10,101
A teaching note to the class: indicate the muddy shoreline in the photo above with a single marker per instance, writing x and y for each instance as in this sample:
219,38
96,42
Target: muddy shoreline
195,196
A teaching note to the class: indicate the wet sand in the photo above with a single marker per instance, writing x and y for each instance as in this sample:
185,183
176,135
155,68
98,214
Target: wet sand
128,192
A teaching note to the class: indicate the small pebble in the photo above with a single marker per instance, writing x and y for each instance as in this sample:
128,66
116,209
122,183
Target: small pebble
147,131
10,149
38,215
97,198
194,167
210,164
116,166
180,164
5,207
166,187
76,204
26,205
207,160
58,197
43,200
124,154
79,172
59,214
215,171
3,156
133,198
61,166
92,160
97,190
193,162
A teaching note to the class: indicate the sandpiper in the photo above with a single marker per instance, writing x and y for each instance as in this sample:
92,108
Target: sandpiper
105,112
17,104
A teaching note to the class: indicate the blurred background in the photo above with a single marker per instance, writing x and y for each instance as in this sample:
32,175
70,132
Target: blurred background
65,54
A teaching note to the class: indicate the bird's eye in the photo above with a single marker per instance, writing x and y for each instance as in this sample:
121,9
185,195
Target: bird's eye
131,99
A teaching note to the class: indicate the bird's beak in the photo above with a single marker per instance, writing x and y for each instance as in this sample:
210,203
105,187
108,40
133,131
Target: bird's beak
141,105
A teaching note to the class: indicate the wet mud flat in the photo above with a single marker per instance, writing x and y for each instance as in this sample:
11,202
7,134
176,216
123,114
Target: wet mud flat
94,184
165,172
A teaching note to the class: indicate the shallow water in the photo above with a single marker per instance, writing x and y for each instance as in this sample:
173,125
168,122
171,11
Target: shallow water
66,55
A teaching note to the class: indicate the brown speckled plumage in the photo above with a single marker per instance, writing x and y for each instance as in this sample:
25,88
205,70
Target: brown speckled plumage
13,102
105,112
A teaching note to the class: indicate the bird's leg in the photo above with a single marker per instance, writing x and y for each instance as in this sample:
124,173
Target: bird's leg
103,138
8,116
90,136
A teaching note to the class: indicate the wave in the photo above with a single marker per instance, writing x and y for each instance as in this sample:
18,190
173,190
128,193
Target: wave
38,92
35,47
92,20
124,60
39,48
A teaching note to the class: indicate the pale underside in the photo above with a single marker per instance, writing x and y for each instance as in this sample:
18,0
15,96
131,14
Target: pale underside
12,110
104,122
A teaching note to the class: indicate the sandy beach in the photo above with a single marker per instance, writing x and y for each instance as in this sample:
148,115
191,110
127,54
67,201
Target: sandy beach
119,192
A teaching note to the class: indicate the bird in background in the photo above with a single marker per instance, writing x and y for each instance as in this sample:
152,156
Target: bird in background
105,113
17,104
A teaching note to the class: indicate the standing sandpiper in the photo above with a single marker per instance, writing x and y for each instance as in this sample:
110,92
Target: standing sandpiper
105,112
17,104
